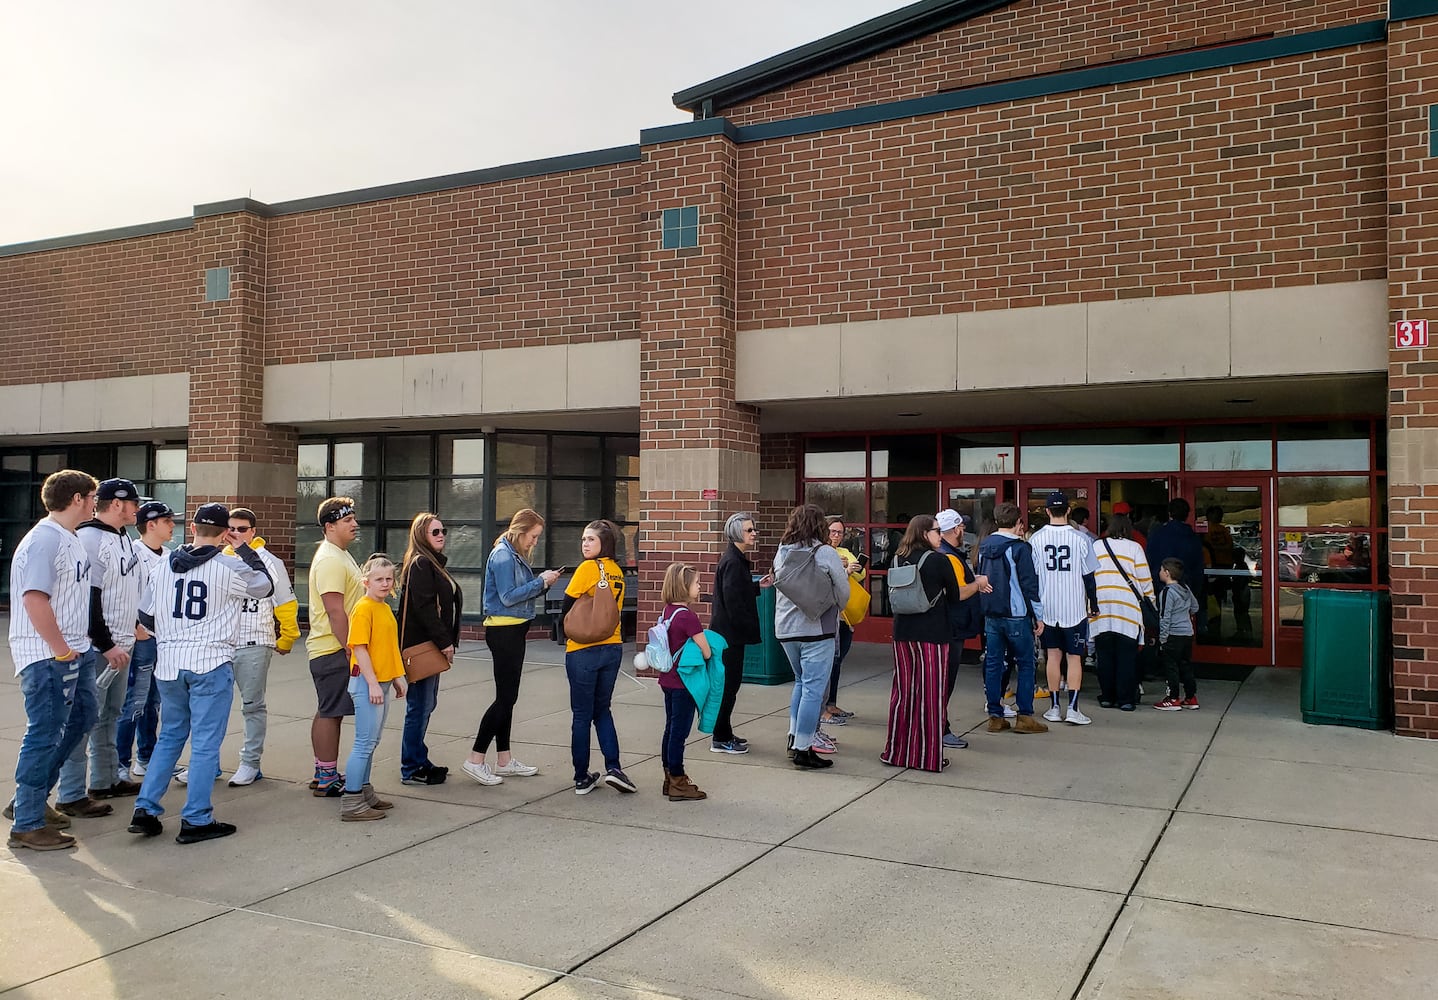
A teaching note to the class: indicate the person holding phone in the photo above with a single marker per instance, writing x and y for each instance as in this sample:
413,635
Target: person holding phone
735,616
856,567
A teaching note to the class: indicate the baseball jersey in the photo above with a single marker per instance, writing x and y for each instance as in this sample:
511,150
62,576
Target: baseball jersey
50,559
116,572
195,596
257,614
332,572
1062,558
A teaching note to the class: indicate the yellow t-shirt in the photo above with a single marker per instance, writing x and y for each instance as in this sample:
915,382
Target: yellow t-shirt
372,625
332,572
585,579
504,620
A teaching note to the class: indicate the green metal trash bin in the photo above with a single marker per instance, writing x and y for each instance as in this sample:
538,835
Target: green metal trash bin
1347,659
766,662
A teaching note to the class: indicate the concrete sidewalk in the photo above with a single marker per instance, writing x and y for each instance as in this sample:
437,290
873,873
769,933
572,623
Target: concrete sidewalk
1228,852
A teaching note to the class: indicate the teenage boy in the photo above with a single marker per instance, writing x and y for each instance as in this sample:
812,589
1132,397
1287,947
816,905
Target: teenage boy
1065,564
1013,616
335,589
114,601
50,644
258,642
140,717
193,599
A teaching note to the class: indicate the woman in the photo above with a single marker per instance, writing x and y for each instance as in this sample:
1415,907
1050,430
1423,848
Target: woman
510,590
1118,629
593,667
921,647
735,617
808,572
833,714
430,606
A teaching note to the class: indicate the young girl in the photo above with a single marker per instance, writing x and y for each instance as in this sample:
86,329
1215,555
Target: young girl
375,666
1176,606
680,594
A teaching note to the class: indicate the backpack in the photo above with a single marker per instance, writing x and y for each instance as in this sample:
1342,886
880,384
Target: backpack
906,588
656,650
803,581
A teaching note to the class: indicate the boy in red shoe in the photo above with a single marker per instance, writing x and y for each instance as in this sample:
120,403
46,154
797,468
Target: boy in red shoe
1176,608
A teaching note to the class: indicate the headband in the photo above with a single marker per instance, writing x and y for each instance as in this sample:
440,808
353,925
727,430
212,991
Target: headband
338,514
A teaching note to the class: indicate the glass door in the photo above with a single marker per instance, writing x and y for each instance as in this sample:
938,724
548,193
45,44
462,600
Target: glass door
1034,494
975,502
1232,518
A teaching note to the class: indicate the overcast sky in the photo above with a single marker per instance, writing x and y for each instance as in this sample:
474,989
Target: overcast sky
122,113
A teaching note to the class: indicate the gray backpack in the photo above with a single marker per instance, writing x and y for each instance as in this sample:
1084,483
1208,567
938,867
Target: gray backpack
906,589
803,581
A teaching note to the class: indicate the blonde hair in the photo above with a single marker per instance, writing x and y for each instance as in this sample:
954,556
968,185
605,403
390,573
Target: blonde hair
678,583
377,561
520,524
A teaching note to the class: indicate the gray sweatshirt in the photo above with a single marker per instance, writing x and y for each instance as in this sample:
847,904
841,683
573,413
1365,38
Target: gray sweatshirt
789,621
1176,603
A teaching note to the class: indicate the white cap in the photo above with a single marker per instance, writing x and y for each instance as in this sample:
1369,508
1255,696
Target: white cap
948,520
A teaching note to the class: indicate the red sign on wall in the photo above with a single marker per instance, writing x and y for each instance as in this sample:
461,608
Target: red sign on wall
1410,333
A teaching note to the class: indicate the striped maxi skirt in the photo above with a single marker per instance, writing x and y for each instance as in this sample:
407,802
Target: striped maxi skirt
916,707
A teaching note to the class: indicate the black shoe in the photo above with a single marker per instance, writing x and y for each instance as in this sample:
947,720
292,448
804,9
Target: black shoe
619,781
1105,704
809,759
586,784
210,831
437,774
1126,708
791,746
427,775
146,823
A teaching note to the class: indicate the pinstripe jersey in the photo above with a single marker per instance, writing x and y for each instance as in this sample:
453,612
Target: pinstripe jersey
49,559
1062,558
115,571
149,559
195,596
257,614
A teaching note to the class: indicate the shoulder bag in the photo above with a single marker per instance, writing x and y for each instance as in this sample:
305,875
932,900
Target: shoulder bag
424,659
594,616
1145,606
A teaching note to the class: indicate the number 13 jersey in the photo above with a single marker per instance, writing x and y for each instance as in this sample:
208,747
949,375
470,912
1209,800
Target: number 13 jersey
196,596
1062,558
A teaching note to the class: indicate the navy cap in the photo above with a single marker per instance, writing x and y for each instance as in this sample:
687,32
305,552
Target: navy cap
117,489
216,515
1057,501
152,510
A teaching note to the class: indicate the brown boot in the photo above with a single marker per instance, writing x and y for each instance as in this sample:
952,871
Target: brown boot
1028,724
354,809
43,839
1000,725
668,778
85,807
54,819
681,789
375,802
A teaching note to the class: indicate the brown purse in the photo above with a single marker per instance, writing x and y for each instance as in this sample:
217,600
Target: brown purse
595,615
423,659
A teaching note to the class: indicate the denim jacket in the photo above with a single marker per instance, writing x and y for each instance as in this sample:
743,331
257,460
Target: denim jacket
510,586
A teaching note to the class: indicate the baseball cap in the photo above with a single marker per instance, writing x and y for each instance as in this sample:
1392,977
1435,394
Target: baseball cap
1122,508
948,519
216,515
152,510
1057,501
117,489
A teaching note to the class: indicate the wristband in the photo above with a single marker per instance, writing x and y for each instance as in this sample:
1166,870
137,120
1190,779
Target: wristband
69,655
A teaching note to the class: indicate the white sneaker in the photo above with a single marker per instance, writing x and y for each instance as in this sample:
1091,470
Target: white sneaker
481,773
244,775
123,774
1052,715
516,768
1076,718
1010,712
182,776
137,770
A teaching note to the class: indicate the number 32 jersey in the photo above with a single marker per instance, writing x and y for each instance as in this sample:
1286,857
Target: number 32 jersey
1062,558
196,596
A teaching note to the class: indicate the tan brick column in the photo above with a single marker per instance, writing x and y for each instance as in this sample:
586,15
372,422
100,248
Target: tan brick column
1413,374
234,457
693,436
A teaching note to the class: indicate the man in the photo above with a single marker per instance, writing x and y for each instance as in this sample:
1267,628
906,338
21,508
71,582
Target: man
1013,616
335,588
965,619
115,583
1065,565
193,599
1176,539
1079,518
257,642
140,717
50,644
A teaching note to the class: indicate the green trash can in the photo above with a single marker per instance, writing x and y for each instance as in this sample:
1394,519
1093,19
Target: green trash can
1347,659
766,662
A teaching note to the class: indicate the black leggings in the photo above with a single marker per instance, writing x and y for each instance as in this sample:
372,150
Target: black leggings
733,660
506,648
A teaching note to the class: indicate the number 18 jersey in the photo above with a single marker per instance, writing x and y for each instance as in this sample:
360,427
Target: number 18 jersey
1062,558
196,597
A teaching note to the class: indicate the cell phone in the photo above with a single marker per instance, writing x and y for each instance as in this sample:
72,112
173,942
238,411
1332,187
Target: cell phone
863,561
562,570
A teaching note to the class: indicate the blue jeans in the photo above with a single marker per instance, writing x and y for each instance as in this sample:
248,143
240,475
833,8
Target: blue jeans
1008,635
678,721
104,766
194,707
592,672
141,711
369,727
60,708
419,706
811,663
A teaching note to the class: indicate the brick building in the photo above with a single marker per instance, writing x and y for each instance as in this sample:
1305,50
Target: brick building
969,251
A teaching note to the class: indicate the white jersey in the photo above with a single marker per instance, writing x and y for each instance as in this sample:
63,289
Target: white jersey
149,559
1062,558
257,614
116,572
49,559
195,596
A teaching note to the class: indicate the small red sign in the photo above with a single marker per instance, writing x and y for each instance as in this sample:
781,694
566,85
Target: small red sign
1410,333
709,495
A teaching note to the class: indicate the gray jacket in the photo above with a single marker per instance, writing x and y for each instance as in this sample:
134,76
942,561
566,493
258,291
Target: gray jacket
789,621
1176,603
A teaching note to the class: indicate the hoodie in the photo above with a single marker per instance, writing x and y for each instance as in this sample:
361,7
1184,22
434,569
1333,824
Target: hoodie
199,594
1008,561
791,624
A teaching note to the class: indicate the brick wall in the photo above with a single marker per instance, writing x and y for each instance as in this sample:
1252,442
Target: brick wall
1264,175
1045,36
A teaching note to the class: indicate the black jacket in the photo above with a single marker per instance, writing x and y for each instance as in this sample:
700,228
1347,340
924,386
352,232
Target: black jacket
937,576
434,604
736,599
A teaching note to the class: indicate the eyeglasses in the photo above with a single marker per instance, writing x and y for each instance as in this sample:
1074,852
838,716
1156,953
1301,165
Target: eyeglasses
932,531
439,532
751,531
241,529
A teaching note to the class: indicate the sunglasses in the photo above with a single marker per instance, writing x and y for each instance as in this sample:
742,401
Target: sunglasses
439,532
241,528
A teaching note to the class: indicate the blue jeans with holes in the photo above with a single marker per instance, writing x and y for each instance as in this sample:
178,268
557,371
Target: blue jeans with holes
811,663
141,711
194,707
1005,635
592,672
369,727
420,700
60,708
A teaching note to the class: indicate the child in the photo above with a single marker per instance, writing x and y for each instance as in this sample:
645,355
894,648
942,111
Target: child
375,663
1176,606
680,594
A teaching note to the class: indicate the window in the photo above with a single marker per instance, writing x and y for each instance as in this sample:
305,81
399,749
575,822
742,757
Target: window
680,228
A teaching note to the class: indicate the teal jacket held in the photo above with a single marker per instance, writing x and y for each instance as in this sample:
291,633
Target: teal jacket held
704,679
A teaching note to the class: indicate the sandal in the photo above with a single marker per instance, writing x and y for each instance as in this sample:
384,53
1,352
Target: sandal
833,720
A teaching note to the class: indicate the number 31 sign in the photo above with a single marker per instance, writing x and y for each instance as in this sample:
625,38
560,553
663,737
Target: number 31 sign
1410,333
